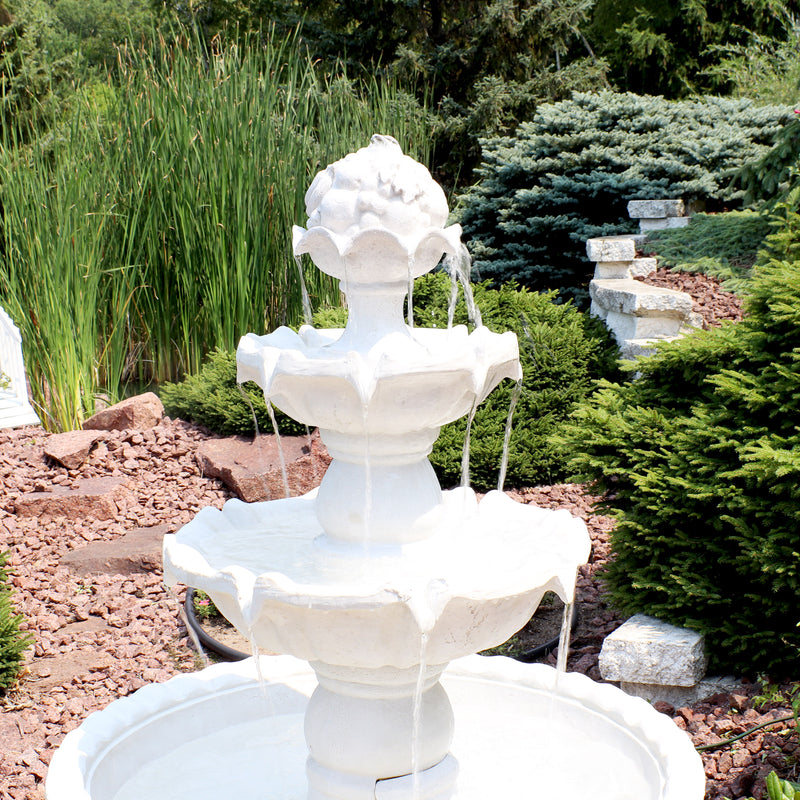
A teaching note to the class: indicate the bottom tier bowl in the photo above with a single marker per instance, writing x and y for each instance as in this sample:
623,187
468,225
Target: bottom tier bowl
520,731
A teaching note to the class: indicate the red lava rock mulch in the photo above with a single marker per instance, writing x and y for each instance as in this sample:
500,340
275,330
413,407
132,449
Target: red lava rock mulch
103,626
711,301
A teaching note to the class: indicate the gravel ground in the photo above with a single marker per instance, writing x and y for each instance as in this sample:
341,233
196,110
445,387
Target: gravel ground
103,635
711,301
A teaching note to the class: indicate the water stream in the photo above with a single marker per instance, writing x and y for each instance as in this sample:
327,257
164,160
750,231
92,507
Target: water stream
564,638
515,395
281,458
308,313
416,719
410,302
459,267
465,454
189,629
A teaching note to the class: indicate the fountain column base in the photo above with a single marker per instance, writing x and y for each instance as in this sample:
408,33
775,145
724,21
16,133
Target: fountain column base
436,783
379,489
366,726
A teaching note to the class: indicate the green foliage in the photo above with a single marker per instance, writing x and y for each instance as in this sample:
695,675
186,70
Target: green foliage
13,642
700,460
568,174
666,48
483,65
778,789
204,606
37,62
213,398
159,214
50,47
771,694
766,67
98,27
723,245
769,179
562,351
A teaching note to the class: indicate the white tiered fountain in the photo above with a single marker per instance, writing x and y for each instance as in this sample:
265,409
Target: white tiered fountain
378,579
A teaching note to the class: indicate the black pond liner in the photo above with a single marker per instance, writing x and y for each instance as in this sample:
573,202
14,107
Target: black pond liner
209,642
231,654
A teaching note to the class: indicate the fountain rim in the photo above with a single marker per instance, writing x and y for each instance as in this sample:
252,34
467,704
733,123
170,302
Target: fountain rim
273,585
73,765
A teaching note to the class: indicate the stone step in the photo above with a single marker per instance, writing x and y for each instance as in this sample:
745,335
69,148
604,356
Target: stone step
622,270
611,249
635,310
655,209
660,662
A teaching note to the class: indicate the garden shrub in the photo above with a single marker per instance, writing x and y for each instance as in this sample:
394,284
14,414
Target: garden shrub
567,175
770,178
13,642
700,462
213,398
722,245
562,352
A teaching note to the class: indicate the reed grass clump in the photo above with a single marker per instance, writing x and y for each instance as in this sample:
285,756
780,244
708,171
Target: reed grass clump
152,227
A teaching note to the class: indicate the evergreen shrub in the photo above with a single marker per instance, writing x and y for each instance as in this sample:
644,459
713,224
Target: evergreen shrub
13,642
562,351
700,462
567,175
212,398
723,245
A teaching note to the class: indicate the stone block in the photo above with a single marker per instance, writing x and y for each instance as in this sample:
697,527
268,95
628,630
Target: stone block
621,270
71,449
260,469
94,498
640,299
611,248
646,650
627,327
138,550
642,267
663,224
681,695
655,209
631,349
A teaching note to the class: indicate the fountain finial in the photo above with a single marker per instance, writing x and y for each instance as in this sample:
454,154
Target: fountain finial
376,216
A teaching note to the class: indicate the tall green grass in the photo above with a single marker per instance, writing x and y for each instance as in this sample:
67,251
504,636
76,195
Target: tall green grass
148,229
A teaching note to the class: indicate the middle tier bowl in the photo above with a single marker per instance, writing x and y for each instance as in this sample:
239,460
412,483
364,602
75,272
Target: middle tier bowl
379,408
414,379
287,587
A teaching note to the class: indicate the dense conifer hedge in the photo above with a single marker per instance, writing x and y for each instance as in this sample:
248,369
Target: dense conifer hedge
700,457
568,174
562,352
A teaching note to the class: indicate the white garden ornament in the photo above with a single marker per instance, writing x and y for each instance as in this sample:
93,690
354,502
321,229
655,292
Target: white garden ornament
15,408
379,579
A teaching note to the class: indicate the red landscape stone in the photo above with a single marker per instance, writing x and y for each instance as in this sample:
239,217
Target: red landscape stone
142,411
95,498
72,448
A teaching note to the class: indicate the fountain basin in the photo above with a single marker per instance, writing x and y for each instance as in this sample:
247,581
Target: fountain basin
220,733
283,583
414,378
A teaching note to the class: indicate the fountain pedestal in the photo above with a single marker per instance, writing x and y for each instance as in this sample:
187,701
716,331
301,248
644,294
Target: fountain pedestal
362,726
